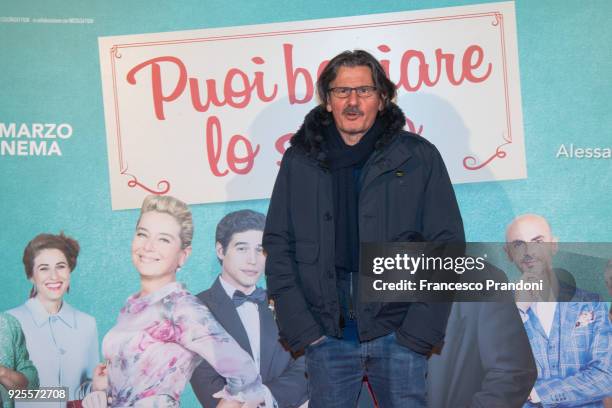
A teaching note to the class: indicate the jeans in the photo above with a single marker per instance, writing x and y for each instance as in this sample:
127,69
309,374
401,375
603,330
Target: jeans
336,368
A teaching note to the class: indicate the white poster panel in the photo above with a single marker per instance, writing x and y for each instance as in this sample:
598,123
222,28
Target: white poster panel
205,115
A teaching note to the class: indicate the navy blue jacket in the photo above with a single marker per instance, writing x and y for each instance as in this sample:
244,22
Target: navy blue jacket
405,191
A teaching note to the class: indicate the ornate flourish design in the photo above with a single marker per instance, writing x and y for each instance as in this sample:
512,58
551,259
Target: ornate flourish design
163,186
498,19
115,51
471,162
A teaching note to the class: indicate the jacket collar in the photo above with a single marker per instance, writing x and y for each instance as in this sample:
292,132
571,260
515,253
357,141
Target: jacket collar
310,136
40,315
222,307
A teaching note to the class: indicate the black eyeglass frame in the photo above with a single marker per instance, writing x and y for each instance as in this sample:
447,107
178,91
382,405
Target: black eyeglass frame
364,91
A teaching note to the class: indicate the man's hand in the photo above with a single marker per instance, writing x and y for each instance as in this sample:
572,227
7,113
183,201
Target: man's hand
531,296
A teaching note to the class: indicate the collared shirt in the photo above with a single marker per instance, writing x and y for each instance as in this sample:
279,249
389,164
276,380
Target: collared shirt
249,316
14,355
63,346
574,361
545,312
158,341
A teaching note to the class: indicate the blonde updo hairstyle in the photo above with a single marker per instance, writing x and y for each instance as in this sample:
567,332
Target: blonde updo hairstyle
174,207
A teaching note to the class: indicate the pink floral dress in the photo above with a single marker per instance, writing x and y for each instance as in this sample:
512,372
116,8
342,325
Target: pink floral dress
158,341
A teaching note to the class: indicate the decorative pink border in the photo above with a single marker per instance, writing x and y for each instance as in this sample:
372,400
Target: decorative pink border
469,162
163,186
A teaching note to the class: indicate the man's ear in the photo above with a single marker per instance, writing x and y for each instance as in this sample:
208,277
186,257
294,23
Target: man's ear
507,251
219,250
555,245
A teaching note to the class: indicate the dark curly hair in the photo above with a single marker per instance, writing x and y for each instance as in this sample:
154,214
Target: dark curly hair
69,247
237,222
356,58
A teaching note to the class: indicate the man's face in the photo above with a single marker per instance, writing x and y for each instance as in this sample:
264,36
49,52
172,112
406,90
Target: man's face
354,115
531,246
243,261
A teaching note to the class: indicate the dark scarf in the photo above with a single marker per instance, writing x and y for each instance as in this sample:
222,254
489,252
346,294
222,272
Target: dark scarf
345,164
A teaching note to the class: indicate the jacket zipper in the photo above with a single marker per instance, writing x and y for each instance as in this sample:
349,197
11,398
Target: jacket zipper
371,159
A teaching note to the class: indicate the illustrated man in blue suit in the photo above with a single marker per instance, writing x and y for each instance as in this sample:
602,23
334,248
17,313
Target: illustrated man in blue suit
571,340
242,309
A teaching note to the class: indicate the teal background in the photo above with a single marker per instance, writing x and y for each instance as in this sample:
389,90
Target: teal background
50,73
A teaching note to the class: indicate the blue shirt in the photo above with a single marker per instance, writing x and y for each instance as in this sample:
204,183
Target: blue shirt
63,346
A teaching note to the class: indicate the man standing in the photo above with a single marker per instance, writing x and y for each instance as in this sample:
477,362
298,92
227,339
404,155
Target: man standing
571,340
353,175
486,360
241,308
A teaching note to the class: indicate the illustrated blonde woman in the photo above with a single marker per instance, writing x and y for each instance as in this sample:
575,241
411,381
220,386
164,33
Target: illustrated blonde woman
163,332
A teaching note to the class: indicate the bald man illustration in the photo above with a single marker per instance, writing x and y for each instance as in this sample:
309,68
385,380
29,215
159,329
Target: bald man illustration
571,340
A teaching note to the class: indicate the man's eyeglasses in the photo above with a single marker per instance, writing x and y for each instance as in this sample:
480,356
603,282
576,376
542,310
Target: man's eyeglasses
345,91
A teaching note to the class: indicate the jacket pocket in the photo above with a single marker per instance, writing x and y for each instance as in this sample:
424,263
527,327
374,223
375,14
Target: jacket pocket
581,338
306,257
306,252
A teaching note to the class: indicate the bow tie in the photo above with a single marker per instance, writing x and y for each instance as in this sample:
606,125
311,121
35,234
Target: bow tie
258,296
